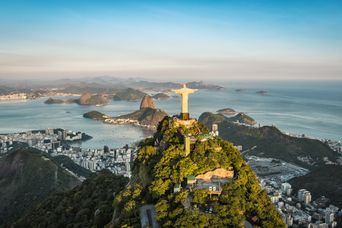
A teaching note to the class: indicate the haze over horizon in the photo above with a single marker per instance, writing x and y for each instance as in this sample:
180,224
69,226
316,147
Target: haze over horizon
192,40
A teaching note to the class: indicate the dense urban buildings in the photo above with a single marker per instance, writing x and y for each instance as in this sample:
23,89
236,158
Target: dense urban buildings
297,208
60,142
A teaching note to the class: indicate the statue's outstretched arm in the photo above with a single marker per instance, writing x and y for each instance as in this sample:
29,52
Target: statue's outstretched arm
193,90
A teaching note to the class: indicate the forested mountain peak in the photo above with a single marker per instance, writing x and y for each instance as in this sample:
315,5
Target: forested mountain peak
185,176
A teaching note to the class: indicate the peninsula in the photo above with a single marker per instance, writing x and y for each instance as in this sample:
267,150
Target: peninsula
148,116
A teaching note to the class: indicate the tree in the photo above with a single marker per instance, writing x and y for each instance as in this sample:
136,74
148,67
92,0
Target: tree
200,196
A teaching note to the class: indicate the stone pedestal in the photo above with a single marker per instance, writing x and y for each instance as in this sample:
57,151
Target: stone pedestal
185,116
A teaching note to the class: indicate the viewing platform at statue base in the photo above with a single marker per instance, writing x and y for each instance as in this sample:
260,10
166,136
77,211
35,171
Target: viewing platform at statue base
187,123
185,116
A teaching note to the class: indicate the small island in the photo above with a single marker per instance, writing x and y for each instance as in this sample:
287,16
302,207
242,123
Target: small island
95,115
60,101
262,92
54,101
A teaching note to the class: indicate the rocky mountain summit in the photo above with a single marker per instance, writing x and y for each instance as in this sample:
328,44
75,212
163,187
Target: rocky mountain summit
147,102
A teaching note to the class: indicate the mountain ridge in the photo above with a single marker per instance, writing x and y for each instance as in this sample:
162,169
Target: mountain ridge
28,176
269,141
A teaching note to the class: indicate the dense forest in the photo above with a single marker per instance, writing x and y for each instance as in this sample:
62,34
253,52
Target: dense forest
162,163
87,205
28,176
329,179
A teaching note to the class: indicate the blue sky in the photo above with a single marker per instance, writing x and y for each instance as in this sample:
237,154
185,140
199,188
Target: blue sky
282,39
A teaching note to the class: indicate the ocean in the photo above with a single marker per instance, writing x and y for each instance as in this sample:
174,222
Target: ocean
313,108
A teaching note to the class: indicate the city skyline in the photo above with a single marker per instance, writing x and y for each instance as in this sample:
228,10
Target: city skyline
245,40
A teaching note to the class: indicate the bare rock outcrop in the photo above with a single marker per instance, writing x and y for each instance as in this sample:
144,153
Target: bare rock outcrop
147,102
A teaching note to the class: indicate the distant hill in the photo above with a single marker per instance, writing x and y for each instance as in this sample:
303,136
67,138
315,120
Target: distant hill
4,90
270,142
322,181
88,205
147,102
102,84
87,87
145,116
28,176
93,99
129,94
84,99
143,84
202,85
54,101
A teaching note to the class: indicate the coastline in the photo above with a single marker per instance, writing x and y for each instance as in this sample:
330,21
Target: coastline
25,96
285,107
122,121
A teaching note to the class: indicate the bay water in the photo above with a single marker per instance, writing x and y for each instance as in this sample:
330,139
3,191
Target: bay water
313,108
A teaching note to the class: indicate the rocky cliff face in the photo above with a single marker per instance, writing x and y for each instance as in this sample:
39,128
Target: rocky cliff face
147,102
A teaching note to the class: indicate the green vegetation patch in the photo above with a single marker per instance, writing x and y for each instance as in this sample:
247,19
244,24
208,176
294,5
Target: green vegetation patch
165,162
88,205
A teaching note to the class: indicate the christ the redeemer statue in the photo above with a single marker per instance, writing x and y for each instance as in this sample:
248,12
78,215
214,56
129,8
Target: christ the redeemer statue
184,92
